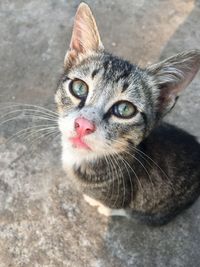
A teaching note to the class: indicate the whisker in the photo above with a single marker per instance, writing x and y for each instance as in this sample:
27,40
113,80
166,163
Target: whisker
147,157
112,158
47,134
33,141
112,177
123,183
139,182
130,178
24,131
144,154
11,105
109,163
34,132
17,117
148,174
116,159
34,111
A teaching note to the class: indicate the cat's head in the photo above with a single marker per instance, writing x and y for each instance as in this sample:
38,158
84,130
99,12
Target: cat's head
107,104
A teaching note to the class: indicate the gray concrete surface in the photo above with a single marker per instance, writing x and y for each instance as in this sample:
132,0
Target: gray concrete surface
43,218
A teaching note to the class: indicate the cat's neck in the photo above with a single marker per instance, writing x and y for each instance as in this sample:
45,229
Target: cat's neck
106,169
105,179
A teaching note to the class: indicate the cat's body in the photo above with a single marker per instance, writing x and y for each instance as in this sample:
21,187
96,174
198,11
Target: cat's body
159,180
113,142
166,183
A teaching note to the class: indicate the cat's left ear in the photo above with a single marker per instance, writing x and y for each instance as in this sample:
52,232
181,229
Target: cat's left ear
172,76
85,36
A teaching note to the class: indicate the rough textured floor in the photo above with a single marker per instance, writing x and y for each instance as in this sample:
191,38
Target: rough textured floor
43,218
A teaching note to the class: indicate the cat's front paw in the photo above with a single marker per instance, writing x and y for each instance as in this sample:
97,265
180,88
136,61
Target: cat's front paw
104,211
101,208
93,202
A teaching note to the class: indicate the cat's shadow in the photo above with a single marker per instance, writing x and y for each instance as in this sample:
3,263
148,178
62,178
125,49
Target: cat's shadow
174,244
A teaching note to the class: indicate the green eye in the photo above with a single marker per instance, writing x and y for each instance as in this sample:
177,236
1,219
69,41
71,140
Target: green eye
124,109
79,89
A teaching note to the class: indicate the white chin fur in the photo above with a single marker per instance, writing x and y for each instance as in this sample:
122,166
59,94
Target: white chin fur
75,156
72,155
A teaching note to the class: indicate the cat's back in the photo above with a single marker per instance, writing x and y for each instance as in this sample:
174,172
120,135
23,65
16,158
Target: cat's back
168,134
172,171
172,146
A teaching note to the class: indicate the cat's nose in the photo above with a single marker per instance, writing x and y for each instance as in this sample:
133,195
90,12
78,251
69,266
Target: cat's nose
83,126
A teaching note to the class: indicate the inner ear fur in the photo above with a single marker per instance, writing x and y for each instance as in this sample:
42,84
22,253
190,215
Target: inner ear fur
85,36
173,75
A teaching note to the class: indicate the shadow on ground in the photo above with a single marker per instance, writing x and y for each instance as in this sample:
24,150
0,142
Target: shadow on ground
43,218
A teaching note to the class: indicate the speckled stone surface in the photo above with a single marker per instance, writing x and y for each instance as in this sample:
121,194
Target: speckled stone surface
44,221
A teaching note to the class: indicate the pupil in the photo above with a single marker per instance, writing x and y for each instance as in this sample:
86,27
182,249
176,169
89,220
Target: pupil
80,90
124,109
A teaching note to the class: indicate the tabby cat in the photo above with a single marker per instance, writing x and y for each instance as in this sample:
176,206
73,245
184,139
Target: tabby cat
125,160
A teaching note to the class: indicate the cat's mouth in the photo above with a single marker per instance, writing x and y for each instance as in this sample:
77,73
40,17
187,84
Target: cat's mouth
78,142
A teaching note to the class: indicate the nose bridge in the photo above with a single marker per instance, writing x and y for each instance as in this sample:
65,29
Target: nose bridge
94,109
91,113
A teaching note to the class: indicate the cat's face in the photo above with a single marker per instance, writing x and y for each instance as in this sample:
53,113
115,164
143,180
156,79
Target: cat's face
107,104
113,96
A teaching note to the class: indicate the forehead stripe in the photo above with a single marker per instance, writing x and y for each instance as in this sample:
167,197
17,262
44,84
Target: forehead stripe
65,78
95,72
125,86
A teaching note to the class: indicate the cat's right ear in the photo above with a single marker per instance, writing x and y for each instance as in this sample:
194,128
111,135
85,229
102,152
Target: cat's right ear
85,36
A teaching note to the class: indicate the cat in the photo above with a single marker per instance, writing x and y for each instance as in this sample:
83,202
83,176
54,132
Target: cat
126,161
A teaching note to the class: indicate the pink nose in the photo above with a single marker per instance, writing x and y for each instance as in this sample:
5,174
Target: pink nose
83,126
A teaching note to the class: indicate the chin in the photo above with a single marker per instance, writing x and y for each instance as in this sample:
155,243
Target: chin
76,156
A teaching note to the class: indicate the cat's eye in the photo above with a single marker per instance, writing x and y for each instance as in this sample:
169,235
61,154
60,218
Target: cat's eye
124,109
79,89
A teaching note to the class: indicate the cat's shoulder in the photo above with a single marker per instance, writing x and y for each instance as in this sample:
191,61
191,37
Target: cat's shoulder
172,136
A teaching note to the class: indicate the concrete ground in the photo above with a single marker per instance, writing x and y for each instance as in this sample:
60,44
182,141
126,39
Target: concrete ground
43,218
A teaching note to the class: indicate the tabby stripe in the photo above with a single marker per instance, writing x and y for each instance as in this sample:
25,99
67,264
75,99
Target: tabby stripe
95,72
144,116
65,78
125,86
